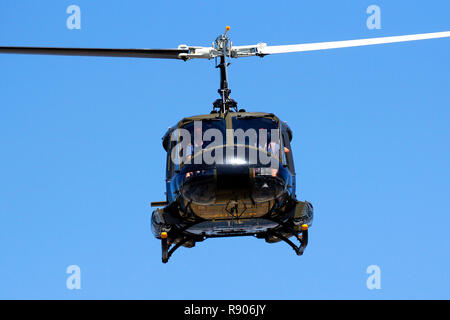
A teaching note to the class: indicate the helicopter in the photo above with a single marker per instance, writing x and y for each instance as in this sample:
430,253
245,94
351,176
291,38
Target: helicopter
229,172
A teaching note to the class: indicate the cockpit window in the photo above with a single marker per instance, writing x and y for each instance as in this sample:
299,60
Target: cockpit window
259,132
203,132
250,140
254,122
196,137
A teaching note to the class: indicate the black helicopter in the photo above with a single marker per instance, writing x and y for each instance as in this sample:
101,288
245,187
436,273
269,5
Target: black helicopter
235,194
230,172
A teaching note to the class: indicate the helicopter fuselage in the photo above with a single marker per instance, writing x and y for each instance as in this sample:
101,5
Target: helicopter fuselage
229,174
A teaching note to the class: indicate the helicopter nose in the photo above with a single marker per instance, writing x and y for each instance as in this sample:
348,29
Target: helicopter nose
267,184
200,186
248,183
233,183
221,184
233,178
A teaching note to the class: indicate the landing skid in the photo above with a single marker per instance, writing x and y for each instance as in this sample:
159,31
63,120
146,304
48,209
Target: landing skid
166,253
302,236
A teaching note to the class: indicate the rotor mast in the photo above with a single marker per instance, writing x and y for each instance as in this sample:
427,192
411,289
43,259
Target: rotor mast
223,45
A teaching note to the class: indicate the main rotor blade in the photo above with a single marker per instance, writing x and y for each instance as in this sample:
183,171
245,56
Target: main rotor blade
133,53
264,50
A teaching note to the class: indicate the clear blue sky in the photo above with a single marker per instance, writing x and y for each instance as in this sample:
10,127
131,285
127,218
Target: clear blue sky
81,154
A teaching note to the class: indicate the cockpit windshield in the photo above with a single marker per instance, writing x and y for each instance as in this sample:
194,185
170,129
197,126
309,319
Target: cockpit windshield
249,140
250,122
203,133
258,132
257,139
